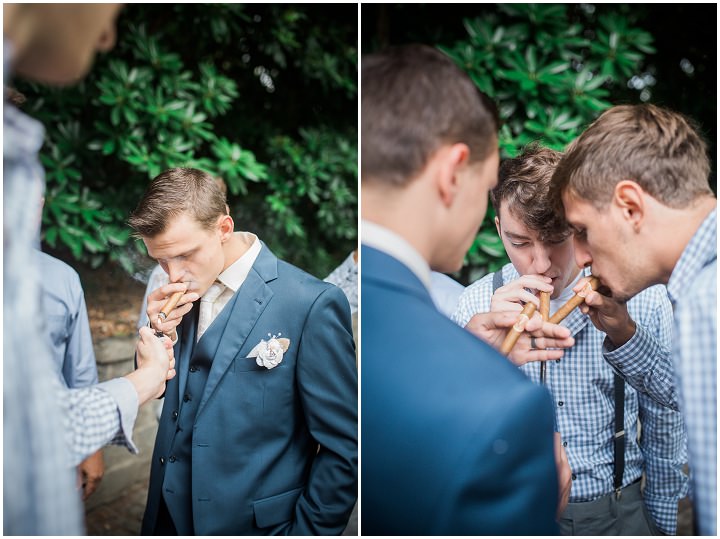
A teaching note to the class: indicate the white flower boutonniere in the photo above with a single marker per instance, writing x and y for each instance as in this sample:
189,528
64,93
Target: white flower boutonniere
269,353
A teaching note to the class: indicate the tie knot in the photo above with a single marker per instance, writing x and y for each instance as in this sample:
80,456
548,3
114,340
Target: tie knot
213,292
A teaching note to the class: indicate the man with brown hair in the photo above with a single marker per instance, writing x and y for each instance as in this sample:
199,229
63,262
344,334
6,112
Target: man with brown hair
448,444
596,414
634,187
258,433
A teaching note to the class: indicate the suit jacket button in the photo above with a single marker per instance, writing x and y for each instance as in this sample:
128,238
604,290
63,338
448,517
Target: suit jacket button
162,460
186,397
172,458
193,368
175,414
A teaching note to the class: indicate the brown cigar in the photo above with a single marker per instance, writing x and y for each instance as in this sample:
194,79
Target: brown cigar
517,330
545,305
169,305
574,301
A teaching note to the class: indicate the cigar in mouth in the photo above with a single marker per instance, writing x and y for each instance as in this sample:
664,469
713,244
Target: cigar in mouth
545,305
575,301
517,329
169,305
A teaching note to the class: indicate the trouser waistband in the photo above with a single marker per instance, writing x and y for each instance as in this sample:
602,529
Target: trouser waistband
577,510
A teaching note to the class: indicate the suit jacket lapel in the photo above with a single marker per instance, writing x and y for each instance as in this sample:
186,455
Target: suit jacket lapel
241,314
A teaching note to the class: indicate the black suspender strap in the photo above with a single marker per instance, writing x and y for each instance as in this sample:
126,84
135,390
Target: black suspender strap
619,438
497,280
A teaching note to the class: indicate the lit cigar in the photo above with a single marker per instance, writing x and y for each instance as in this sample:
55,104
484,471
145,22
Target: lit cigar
517,330
574,301
169,305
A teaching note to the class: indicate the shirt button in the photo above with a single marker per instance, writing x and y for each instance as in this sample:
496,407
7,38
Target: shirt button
557,361
175,414
560,403
162,460
564,444
172,458
186,398
574,477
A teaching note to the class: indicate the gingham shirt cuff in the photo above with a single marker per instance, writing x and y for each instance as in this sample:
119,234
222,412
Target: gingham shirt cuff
126,397
635,357
663,511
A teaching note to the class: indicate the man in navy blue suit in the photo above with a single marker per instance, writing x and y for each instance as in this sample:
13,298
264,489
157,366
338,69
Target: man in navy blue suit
455,439
258,433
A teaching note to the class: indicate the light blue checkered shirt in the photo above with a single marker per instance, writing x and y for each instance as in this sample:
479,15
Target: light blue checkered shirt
582,388
692,288
47,429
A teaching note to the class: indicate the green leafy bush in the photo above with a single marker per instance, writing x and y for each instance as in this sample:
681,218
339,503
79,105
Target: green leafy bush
552,70
264,96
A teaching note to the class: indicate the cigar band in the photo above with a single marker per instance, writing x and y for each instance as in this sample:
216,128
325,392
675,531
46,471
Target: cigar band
162,315
520,324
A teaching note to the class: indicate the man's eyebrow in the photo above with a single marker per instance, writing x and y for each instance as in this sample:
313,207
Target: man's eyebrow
514,235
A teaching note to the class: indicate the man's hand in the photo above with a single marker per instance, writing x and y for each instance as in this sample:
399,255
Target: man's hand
91,473
564,475
492,328
156,365
607,315
510,296
157,299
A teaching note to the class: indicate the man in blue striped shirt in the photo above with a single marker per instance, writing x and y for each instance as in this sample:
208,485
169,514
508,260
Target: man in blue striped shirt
539,244
634,187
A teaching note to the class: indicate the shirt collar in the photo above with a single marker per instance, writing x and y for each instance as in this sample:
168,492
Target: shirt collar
380,238
234,275
698,253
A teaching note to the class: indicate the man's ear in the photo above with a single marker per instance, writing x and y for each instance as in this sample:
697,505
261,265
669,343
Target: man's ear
629,198
226,227
452,159
497,225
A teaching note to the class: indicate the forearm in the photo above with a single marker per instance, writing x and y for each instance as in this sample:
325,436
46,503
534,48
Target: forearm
99,415
645,365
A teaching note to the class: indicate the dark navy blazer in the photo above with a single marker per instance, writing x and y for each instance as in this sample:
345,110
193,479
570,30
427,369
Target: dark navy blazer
274,451
455,440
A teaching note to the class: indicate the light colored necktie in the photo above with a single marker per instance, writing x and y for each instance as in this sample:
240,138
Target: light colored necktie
206,307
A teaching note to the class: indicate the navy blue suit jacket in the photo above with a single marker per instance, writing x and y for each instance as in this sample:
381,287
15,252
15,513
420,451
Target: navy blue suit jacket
455,440
274,451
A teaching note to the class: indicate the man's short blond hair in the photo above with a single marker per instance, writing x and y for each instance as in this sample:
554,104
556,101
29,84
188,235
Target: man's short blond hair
657,148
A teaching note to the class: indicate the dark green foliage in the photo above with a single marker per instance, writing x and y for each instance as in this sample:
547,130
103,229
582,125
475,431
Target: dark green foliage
264,96
551,69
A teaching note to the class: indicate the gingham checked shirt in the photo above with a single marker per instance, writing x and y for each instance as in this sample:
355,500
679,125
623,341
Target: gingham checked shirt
692,289
582,388
47,428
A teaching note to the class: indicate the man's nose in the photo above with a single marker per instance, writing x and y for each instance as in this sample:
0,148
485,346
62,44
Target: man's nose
175,271
541,260
583,258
